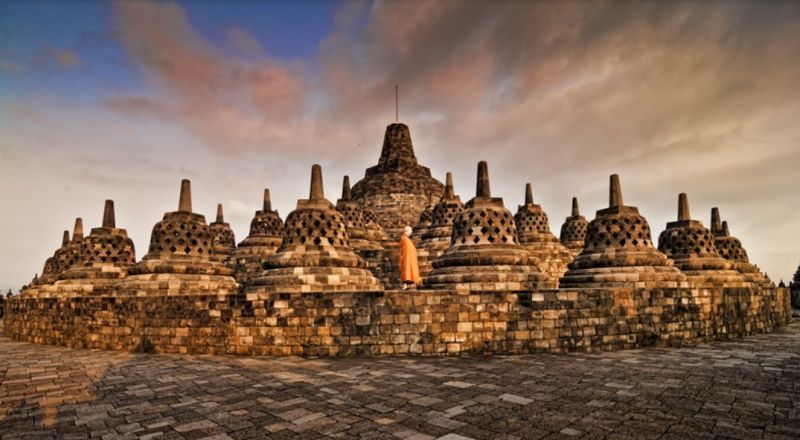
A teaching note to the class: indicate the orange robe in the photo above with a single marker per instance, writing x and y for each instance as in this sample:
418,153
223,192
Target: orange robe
409,267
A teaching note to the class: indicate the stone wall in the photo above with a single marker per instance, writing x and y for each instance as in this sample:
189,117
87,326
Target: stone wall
398,322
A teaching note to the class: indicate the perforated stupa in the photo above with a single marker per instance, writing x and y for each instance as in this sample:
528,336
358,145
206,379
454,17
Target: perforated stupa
619,251
573,231
224,240
315,254
436,238
266,230
484,253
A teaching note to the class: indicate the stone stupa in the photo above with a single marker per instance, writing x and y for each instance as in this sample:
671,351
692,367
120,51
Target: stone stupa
731,249
691,247
315,254
266,230
533,233
224,240
181,259
437,237
398,188
619,251
424,222
484,254
63,259
51,270
360,240
573,231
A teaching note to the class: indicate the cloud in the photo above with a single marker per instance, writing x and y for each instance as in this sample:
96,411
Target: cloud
65,58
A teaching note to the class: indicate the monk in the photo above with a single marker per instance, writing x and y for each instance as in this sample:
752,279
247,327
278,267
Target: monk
409,267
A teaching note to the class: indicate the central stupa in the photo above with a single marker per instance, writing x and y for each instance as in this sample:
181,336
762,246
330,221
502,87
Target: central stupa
398,188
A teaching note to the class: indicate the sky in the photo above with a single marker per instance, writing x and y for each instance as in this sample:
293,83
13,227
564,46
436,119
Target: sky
121,100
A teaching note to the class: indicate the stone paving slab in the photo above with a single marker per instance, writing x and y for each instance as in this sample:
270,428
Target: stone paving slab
741,389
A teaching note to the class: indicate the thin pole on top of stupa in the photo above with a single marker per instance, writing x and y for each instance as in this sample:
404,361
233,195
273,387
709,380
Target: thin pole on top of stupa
396,104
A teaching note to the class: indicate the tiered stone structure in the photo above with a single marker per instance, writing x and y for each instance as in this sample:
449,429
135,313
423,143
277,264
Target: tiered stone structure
315,254
398,188
573,231
424,222
314,296
360,240
224,240
266,231
50,271
533,232
691,247
484,254
619,251
731,249
64,258
181,258
436,238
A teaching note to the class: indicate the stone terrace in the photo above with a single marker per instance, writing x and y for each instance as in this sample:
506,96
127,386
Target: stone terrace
742,389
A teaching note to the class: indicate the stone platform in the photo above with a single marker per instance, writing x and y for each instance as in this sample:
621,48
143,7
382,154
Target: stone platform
425,322
742,389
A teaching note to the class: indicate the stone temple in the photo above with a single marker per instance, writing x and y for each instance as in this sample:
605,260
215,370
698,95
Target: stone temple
324,282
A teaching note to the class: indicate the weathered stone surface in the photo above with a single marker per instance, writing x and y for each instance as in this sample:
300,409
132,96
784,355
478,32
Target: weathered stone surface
398,188
573,231
266,230
315,253
731,249
533,233
338,323
224,240
181,258
619,252
484,253
436,238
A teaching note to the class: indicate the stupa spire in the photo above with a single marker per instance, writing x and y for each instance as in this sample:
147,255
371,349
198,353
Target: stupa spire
683,207
483,189
449,193
346,194
716,226
725,229
575,210
528,194
615,192
267,201
65,239
185,202
220,214
77,231
109,220
317,192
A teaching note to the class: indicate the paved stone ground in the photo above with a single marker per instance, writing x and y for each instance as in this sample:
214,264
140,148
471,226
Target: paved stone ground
743,389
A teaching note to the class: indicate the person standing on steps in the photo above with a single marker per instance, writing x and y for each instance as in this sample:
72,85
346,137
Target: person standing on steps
409,267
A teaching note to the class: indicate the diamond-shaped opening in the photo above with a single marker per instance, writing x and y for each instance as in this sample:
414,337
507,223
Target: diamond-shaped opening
187,249
491,239
317,241
476,239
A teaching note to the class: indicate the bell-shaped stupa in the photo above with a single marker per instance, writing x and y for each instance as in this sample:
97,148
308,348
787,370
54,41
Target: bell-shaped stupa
266,230
360,240
691,247
436,238
224,240
484,254
398,188
181,259
533,233
315,254
619,251
573,231
51,270
731,249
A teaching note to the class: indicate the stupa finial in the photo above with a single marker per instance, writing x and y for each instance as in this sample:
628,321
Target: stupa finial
449,193
65,239
77,231
683,207
317,192
346,193
109,220
220,214
615,192
725,229
267,201
716,226
483,189
528,194
185,202
575,210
